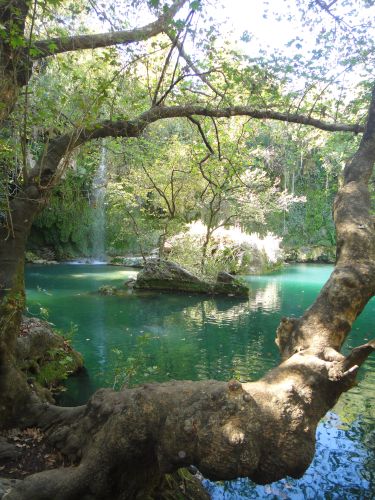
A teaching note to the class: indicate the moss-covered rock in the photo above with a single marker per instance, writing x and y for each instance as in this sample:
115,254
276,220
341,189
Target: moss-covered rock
46,357
166,275
33,258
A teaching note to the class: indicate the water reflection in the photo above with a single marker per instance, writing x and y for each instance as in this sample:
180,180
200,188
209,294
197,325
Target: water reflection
197,337
267,298
216,310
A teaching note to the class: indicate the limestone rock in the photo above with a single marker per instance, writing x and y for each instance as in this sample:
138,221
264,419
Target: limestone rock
166,275
44,256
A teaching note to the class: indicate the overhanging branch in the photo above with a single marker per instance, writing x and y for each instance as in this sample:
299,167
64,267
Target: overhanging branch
155,114
133,127
58,147
45,48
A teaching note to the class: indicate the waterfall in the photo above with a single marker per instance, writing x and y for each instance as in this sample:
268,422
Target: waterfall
99,191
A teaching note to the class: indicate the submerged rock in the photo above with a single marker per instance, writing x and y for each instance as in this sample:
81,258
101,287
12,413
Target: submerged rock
166,275
107,290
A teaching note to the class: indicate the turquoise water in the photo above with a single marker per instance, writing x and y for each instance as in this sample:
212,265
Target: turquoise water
155,336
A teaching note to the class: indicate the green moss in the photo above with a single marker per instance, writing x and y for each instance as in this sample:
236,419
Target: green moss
181,485
58,226
44,355
31,256
57,366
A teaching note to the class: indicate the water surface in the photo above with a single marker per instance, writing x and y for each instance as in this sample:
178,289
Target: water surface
156,336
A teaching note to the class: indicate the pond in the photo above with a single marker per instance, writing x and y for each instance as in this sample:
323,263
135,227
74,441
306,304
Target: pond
156,336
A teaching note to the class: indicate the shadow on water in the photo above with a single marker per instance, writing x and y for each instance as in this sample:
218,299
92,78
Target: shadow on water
178,336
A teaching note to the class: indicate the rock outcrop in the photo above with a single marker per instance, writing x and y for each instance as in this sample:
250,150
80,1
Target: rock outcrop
166,275
45,356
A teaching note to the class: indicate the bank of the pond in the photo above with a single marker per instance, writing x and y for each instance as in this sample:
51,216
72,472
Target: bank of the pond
157,336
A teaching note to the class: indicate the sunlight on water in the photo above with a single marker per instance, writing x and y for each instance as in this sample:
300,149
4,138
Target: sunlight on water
198,337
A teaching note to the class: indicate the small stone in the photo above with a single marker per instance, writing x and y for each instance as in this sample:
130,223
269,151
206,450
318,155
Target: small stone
247,397
181,454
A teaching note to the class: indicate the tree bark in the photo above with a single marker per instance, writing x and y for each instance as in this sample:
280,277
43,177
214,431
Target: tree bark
14,391
13,69
352,282
59,45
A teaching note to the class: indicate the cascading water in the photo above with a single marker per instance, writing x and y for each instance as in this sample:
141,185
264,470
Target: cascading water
99,191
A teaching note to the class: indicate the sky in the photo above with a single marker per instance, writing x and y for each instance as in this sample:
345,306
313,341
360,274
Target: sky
238,16
258,17
247,15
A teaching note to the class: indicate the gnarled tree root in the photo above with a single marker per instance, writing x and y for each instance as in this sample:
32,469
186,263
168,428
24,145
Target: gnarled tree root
122,443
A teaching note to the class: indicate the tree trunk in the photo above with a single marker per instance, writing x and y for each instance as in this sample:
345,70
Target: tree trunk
205,246
161,242
14,392
14,65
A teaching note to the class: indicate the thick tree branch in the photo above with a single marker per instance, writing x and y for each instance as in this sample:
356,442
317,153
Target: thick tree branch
359,355
58,45
58,147
361,166
155,114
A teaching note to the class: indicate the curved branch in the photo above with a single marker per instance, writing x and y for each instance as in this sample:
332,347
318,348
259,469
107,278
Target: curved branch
59,146
203,135
155,114
45,48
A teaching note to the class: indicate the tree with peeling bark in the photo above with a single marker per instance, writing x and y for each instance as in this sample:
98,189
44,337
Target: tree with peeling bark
121,444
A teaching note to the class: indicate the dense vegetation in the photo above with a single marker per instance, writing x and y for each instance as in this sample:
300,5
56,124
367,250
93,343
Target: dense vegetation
154,189
280,162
